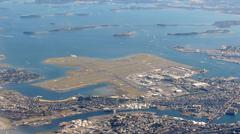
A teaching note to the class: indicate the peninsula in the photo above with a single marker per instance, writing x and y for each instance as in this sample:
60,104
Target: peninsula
226,53
125,74
10,74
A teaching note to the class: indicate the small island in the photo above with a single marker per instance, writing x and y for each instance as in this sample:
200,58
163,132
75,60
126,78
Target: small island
69,29
2,57
167,25
125,34
218,31
31,16
64,14
227,24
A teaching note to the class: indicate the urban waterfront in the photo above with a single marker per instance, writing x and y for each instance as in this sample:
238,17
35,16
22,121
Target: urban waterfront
31,33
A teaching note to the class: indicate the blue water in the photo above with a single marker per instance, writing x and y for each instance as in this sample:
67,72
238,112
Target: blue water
29,51
228,119
100,89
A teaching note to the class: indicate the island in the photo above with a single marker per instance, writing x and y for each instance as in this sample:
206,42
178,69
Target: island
69,14
227,23
31,16
124,34
69,29
227,53
35,16
167,25
218,31
2,57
